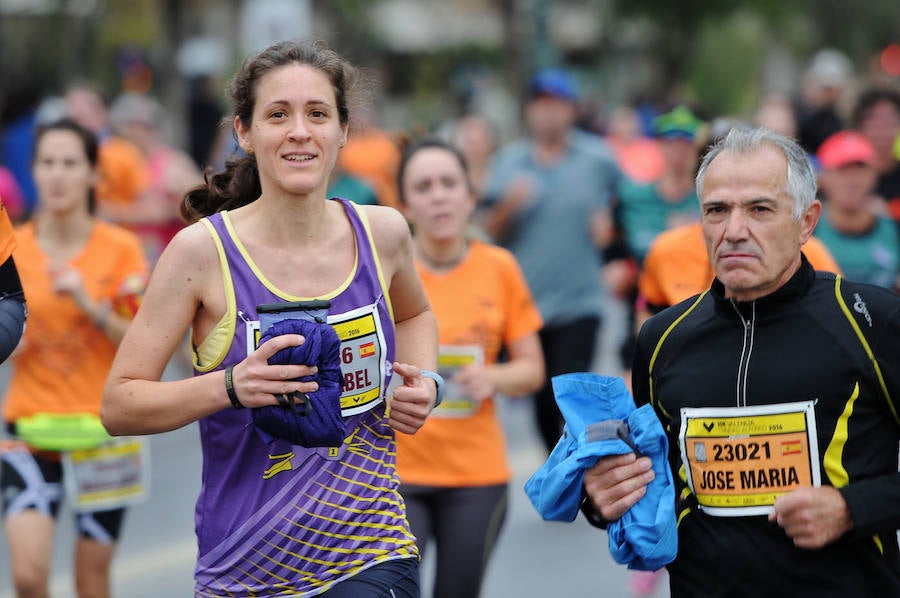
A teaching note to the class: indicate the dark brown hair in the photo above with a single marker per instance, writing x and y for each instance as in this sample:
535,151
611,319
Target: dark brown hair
870,97
414,147
88,143
239,184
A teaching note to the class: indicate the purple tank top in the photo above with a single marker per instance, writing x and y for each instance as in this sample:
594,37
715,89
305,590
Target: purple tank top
284,519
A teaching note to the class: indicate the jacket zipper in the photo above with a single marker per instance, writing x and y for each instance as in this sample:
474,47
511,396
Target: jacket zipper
746,351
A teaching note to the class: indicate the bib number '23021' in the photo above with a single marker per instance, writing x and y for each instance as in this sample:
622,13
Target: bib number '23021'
738,460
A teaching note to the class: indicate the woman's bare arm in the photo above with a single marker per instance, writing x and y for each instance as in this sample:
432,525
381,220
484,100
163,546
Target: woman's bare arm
415,327
185,281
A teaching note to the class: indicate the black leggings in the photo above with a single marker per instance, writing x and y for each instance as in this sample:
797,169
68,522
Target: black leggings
398,578
33,482
567,348
464,524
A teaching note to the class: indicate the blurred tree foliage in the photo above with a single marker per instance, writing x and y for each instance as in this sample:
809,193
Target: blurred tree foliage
695,49
717,49
355,38
445,79
725,72
53,49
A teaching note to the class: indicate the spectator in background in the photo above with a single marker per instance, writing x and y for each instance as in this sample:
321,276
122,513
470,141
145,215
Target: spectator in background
877,116
18,117
545,201
824,83
14,203
205,116
84,279
354,188
865,243
372,155
476,138
643,210
639,156
155,214
454,471
122,170
776,113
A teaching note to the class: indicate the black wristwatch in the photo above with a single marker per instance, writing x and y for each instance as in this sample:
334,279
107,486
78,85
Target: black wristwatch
438,381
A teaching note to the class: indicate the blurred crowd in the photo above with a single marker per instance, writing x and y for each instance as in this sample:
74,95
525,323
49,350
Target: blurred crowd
654,148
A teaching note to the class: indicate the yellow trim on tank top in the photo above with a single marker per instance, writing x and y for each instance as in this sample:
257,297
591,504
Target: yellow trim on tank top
226,218
212,350
384,288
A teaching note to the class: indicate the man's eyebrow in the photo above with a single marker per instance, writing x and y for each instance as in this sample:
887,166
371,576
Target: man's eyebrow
762,199
712,203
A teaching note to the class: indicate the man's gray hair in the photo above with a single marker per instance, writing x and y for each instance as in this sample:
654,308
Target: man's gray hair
801,179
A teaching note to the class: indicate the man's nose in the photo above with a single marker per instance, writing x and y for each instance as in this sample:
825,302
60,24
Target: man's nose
736,225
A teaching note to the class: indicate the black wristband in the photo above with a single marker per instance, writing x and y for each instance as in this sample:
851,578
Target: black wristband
229,388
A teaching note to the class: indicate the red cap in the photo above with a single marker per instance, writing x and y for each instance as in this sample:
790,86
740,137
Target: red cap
845,147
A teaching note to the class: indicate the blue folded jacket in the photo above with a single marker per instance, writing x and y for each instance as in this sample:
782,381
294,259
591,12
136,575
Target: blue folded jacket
601,420
320,422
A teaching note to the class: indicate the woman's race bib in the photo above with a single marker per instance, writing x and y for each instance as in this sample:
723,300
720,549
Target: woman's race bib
113,475
451,359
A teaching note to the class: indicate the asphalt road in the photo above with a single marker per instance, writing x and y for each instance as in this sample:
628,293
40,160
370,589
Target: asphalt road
533,558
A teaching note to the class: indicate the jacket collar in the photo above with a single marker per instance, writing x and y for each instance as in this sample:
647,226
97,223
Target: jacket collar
798,285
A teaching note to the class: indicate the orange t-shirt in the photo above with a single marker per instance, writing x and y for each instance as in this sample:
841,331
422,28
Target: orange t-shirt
677,265
123,171
484,301
641,160
7,235
372,155
63,360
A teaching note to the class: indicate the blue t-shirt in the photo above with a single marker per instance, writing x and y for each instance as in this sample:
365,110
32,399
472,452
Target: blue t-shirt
872,256
353,188
551,238
643,214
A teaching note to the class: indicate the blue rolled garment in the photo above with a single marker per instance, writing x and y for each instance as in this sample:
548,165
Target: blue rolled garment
322,423
596,410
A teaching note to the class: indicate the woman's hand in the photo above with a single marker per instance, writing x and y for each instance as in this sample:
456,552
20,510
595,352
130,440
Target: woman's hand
256,382
476,382
413,400
67,280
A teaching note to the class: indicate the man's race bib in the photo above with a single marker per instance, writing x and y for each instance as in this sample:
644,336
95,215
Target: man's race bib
110,476
451,359
738,460
362,356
